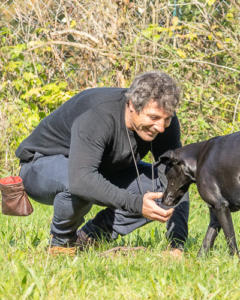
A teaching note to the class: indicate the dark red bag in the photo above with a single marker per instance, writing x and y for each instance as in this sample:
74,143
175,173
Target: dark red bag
15,201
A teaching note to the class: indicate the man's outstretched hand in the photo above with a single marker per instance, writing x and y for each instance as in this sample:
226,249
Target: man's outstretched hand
152,211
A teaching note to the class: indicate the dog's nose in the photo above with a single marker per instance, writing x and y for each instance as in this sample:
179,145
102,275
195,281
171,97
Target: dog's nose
169,200
166,202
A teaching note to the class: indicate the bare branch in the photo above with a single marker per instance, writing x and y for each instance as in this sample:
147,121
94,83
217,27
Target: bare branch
70,44
76,32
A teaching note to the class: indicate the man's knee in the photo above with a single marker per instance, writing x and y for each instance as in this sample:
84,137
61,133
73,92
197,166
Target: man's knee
68,206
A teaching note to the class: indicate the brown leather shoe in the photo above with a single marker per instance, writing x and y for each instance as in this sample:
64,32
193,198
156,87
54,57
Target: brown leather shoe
83,241
58,250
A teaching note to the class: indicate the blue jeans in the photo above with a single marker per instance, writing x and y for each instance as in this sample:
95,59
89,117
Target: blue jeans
46,180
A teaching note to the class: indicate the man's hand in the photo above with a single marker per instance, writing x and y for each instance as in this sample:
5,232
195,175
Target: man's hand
152,211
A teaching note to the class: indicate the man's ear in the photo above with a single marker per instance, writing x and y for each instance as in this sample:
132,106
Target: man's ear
166,158
131,106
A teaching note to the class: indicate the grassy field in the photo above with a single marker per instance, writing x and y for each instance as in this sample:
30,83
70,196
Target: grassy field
28,272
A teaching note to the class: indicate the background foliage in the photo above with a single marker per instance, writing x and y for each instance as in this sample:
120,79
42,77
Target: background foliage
52,49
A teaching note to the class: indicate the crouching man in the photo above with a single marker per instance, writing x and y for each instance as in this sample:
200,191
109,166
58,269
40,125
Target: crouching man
89,151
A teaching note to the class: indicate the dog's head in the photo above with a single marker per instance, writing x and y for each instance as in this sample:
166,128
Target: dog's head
178,174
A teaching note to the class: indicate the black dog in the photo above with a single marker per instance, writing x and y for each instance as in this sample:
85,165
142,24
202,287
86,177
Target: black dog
214,165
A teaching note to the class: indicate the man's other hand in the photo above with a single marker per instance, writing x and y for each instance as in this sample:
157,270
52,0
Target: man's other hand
152,211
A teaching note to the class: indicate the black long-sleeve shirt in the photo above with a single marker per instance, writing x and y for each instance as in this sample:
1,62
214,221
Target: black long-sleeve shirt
90,130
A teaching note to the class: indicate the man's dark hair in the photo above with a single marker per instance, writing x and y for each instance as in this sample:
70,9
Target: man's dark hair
157,86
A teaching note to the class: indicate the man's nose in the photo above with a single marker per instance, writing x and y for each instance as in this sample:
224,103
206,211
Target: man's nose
160,126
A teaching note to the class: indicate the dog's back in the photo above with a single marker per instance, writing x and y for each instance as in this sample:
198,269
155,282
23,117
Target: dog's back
218,169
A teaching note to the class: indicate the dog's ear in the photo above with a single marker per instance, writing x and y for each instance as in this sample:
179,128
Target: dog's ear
189,170
166,158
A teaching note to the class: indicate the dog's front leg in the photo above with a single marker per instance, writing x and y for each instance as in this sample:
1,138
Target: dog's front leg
213,229
225,220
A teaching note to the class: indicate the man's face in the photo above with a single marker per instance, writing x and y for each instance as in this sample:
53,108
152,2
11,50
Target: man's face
151,121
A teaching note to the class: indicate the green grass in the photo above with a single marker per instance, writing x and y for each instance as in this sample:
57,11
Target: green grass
28,272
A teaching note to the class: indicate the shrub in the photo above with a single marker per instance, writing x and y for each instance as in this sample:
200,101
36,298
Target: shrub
50,50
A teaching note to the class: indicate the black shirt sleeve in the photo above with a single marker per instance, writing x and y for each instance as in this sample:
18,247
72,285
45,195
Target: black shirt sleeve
90,135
